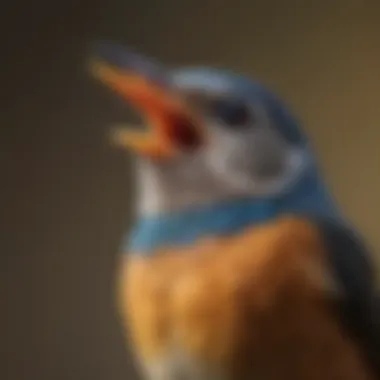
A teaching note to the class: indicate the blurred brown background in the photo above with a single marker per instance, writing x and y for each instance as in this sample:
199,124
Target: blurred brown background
66,194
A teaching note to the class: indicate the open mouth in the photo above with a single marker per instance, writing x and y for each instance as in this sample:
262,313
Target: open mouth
172,125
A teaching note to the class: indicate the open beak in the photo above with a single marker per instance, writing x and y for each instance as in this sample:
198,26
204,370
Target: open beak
172,125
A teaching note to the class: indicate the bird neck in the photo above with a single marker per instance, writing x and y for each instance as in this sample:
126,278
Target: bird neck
170,189
185,227
308,197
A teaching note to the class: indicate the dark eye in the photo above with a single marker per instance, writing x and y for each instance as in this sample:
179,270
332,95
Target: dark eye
231,112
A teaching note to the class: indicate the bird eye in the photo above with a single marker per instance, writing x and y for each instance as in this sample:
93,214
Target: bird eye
232,112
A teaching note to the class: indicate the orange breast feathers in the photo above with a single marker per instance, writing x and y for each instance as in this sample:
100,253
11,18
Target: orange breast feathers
249,304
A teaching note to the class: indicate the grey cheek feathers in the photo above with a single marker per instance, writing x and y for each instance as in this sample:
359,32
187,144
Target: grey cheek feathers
196,182
255,161
174,187
241,182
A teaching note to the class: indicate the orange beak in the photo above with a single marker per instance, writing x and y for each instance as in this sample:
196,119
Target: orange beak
172,125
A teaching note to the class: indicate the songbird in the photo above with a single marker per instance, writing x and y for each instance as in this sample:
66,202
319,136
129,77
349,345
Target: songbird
241,264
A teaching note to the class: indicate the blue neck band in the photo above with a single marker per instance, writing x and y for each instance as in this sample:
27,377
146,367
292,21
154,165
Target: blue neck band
308,197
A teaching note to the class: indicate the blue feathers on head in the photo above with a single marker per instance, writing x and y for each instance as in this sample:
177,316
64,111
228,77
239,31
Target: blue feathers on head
223,81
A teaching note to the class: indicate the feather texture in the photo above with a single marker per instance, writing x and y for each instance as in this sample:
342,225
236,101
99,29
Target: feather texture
253,304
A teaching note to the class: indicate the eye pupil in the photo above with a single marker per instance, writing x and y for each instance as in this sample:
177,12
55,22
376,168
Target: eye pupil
232,113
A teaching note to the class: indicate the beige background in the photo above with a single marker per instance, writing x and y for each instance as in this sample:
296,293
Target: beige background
67,194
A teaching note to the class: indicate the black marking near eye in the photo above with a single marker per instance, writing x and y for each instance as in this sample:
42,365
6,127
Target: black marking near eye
232,112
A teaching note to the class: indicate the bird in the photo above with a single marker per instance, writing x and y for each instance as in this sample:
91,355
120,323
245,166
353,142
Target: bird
240,263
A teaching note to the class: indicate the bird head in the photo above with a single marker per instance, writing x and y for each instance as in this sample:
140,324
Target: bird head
211,135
